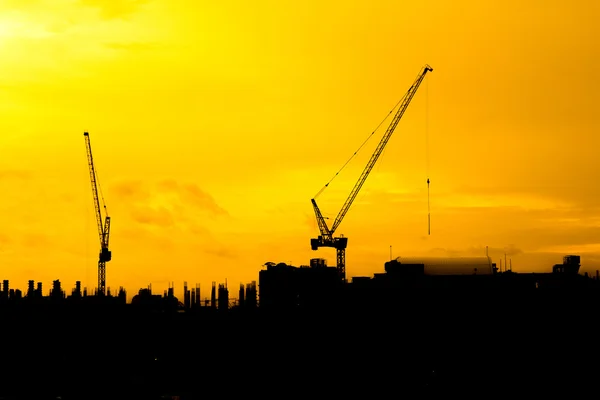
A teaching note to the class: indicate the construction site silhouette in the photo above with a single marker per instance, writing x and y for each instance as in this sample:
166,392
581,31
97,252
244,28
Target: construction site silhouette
421,327
406,329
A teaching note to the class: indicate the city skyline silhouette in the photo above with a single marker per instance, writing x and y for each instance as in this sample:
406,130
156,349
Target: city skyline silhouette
210,149
229,142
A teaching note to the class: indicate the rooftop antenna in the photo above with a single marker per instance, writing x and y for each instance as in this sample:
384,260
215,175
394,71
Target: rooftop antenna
390,252
510,264
505,263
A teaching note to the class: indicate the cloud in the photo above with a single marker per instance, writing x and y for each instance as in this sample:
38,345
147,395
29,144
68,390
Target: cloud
24,5
35,240
132,46
570,194
153,216
167,203
542,237
4,240
474,251
111,9
509,250
221,252
14,174
148,239
131,190
377,196
443,252
525,261
192,195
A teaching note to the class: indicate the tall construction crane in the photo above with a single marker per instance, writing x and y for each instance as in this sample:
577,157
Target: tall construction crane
340,243
103,227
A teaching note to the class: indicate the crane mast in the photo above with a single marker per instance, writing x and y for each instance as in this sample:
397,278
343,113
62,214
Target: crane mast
103,226
326,238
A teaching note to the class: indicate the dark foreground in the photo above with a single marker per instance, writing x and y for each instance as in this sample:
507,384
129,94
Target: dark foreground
418,345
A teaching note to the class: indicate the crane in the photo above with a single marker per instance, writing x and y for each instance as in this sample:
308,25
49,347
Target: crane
340,243
103,227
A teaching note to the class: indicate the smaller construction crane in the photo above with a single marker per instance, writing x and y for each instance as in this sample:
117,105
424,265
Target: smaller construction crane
326,238
103,227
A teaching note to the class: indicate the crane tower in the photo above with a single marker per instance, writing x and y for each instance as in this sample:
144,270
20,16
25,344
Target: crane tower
340,243
103,226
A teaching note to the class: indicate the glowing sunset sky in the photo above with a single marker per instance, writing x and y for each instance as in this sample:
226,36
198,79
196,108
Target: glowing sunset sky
213,124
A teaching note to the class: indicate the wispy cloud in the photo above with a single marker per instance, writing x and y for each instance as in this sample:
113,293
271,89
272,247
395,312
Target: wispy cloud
111,9
19,4
4,239
133,46
221,252
192,195
168,203
159,216
474,251
14,174
131,190
35,240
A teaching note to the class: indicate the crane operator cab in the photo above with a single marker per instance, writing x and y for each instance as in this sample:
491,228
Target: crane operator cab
105,255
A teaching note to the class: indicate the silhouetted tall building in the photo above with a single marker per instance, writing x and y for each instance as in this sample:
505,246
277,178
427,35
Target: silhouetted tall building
186,296
56,292
251,295
223,297
241,295
122,296
30,289
213,295
76,293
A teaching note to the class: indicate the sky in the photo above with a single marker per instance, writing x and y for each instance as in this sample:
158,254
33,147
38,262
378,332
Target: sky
213,124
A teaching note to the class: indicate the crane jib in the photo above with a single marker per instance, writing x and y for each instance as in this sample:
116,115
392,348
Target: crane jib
380,147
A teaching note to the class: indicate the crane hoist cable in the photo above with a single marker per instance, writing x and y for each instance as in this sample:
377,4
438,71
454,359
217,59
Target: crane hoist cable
101,193
360,147
427,152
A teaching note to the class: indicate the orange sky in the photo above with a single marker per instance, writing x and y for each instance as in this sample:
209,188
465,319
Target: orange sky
214,125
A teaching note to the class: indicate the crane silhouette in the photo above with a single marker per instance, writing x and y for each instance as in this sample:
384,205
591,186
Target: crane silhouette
103,227
326,238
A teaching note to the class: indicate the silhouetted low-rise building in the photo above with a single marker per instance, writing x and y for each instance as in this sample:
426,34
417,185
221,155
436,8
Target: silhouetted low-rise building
286,286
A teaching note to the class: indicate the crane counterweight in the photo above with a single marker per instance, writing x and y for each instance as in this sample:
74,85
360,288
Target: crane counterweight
326,239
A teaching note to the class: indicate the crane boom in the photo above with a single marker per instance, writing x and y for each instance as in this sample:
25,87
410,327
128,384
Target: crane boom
88,146
326,238
103,228
380,147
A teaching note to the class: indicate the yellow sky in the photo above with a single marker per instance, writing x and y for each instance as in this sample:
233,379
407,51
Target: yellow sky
213,124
